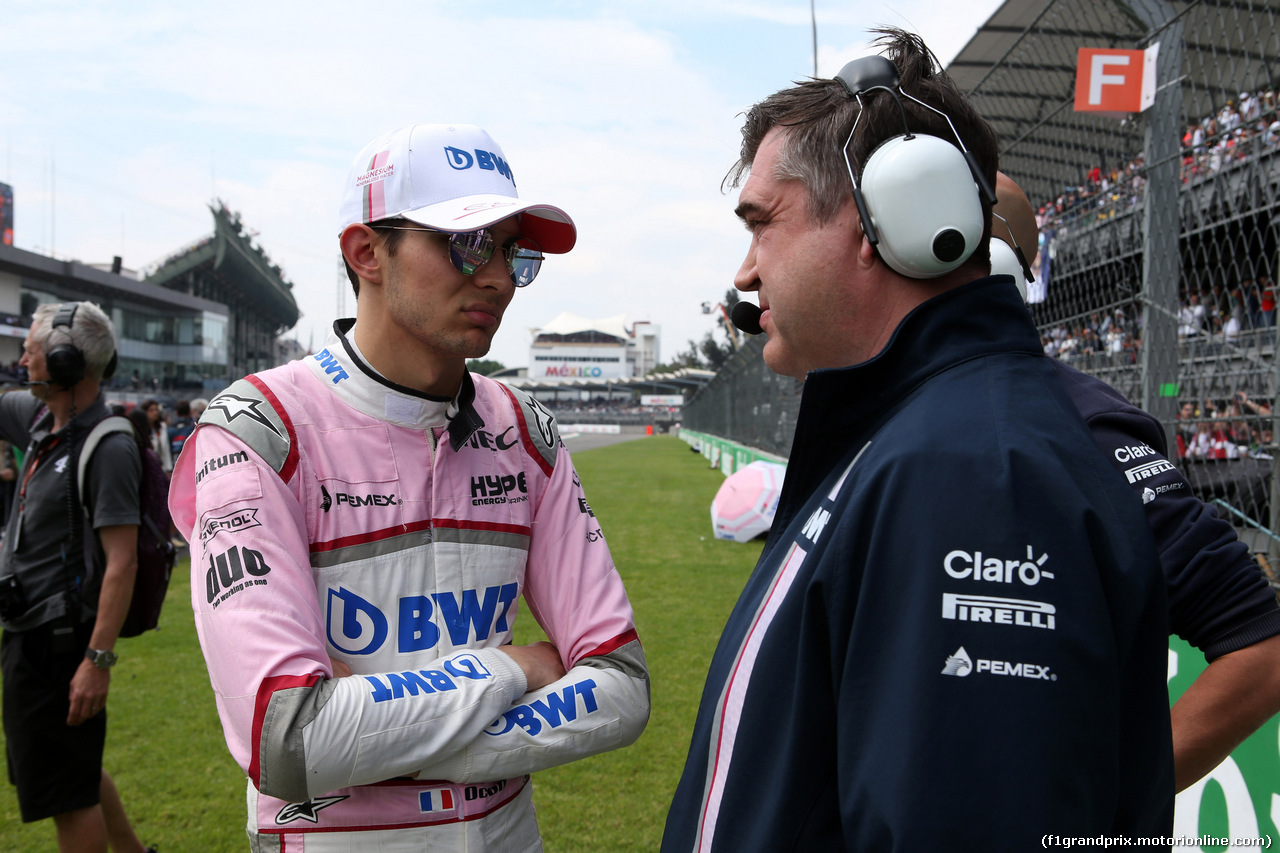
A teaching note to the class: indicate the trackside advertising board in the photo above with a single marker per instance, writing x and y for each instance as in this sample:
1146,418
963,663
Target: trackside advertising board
1239,799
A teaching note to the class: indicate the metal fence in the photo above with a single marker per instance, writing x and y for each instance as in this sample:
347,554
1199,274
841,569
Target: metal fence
747,402
1158,231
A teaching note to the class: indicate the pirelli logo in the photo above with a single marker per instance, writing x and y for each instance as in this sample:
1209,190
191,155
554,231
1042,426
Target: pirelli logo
999,611
1148,469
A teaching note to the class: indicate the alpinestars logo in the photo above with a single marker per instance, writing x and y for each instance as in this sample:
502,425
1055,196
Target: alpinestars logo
958,664
233,407
544,420
61,465
306,810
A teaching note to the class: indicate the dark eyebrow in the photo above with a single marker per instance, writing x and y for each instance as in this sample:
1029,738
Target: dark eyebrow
746,208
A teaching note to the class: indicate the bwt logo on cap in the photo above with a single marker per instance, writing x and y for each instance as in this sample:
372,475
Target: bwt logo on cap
462,160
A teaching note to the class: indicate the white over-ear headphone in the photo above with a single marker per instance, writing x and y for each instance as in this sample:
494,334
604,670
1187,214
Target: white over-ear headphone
1009,260
920,198
1005,262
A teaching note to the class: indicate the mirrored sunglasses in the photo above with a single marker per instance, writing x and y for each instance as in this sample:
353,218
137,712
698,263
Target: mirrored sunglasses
470,250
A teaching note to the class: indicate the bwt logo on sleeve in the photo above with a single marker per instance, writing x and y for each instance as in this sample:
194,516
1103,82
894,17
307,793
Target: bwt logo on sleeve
554,710
487,160
389,686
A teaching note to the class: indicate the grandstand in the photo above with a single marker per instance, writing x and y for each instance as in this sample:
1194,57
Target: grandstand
1158,231
227,267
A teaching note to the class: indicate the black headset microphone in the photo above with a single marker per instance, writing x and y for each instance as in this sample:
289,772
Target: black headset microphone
745,317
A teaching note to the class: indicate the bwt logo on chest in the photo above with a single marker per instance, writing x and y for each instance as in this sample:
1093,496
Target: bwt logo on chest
479,158
357,626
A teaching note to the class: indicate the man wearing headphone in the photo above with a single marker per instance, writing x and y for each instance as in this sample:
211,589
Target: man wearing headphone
60,620
952,640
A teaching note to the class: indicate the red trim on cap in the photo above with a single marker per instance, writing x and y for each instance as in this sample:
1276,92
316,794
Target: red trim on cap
554,237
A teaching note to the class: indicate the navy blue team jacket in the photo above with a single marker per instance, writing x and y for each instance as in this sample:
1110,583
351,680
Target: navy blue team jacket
1219,600
955,638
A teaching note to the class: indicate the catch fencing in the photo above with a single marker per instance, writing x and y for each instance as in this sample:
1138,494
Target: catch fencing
1158,232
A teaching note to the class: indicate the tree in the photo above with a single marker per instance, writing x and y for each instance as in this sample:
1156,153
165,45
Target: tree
688,358
714,353
485,367
709,353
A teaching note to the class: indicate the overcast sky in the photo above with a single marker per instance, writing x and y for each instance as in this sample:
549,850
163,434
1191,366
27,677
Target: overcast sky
120,123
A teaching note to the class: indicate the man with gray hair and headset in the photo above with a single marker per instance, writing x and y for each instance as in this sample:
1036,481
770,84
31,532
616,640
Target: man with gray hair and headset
376,509
952,640
60,622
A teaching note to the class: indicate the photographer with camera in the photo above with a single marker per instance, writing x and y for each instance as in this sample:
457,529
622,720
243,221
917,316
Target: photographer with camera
60,620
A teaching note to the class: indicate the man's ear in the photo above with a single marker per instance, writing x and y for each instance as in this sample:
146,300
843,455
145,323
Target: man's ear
866,251
358,244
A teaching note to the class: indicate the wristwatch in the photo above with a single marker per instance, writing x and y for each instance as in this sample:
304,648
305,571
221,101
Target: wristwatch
101,658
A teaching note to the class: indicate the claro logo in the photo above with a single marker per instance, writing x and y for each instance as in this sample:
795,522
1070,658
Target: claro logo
965,565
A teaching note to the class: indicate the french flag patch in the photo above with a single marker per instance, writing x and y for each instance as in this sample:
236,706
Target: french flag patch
435,800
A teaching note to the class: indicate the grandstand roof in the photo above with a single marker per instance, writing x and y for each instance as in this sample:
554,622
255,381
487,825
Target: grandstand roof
231,254
566,323
1020,69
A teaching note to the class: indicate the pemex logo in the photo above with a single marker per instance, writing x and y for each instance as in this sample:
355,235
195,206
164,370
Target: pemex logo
958,664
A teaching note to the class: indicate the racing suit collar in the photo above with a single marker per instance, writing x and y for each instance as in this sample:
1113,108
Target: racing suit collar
342,366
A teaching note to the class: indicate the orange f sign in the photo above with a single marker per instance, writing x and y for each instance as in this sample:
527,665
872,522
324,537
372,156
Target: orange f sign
1115,81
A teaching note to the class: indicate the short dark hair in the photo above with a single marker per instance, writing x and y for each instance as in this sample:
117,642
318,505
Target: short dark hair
389,237
818,115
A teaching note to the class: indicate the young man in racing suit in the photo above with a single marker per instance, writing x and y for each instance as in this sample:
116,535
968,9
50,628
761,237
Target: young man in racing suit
375,509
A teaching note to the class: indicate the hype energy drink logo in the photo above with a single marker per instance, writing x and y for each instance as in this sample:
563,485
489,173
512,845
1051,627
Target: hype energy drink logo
461,160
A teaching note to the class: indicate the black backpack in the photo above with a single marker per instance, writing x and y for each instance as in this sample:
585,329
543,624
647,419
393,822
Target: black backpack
156,554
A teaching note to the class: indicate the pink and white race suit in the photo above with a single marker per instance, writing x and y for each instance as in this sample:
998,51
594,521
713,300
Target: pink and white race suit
333,514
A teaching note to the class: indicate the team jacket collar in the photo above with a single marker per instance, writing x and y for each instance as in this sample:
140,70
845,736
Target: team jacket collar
842,407
340,366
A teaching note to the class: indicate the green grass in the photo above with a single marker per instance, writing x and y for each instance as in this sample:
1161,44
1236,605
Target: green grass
652,498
